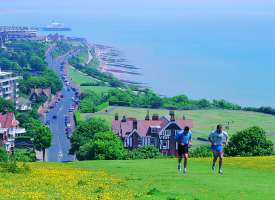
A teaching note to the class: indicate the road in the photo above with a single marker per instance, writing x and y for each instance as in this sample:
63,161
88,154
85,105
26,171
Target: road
59,150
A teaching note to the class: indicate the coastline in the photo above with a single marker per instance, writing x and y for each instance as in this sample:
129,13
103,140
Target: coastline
111,61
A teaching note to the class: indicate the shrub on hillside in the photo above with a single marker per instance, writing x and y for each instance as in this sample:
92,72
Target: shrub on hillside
103,146
3,155
24,155
249,142
202,151
86,131
145,152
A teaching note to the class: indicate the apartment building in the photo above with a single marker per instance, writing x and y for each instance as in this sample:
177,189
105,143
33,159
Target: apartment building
9,86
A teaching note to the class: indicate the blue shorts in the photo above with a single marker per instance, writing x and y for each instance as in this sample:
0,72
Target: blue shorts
217,148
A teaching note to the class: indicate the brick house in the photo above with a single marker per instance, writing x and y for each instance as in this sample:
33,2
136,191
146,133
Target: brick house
159,132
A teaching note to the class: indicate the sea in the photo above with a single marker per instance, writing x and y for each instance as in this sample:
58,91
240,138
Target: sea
214,49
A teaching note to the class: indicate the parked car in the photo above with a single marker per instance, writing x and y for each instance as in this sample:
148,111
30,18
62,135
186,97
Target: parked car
54,116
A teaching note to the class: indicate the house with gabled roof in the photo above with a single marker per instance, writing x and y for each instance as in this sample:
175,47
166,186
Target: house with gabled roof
159,132
9,130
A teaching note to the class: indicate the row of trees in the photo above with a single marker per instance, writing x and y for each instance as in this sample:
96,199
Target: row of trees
47,79
27,58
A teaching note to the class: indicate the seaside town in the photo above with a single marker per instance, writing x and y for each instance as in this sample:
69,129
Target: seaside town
79,121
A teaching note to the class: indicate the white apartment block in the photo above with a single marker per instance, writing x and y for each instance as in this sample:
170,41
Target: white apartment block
9,86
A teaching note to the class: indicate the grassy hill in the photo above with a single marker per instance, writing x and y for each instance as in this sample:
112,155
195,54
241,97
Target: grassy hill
204,120
244,178
80,78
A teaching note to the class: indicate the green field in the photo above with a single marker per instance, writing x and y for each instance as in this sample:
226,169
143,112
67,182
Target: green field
204,120
243,179
80,78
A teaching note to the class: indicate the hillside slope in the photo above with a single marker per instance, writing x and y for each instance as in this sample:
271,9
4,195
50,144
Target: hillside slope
204,120
244,178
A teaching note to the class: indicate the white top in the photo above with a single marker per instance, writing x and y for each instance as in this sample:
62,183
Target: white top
218,138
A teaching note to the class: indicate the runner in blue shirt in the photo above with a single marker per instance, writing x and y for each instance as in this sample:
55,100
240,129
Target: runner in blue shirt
218,138
184,140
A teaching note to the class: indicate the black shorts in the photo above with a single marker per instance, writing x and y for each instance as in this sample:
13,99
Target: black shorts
182,149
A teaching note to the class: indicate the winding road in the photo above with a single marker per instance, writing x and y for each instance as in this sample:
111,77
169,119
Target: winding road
55,118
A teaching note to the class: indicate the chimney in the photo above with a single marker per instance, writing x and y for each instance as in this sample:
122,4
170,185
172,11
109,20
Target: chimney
124,119
147,117
135,123
172,115
155,117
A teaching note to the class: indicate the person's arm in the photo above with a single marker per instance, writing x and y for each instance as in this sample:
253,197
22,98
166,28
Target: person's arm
210,139
190,140
226,138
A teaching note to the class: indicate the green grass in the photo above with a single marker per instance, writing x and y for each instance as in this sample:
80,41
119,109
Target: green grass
83,55
244,178
96,89
80,78
204,120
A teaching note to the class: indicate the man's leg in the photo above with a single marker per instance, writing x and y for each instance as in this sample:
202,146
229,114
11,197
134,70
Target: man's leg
215,156
185,162
220,162
180,153
179,162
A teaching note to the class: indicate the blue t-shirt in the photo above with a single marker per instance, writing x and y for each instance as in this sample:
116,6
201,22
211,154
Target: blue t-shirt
183,137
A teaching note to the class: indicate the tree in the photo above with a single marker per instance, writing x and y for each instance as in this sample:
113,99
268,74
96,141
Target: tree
86,131
41,134
249,142
104,146
6,105
42,139
37,63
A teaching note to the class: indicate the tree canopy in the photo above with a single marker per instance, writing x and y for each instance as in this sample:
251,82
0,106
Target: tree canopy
104,146
86,131
249,142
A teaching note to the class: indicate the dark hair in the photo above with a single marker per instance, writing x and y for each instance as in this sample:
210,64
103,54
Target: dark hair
186,128
219,126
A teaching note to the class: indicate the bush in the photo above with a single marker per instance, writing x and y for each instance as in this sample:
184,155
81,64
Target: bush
24,155
249,142
144,152
3,155
202,151
104,146
86,131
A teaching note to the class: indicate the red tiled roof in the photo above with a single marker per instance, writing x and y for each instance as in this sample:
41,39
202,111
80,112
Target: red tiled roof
124,128
7,120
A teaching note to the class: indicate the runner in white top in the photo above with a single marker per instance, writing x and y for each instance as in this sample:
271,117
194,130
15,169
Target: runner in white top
218,138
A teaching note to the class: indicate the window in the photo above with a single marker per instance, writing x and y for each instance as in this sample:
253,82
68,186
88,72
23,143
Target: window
167,132
164,144
153,141
140,142
154,130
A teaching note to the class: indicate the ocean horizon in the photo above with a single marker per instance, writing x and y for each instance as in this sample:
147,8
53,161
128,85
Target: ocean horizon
213,50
